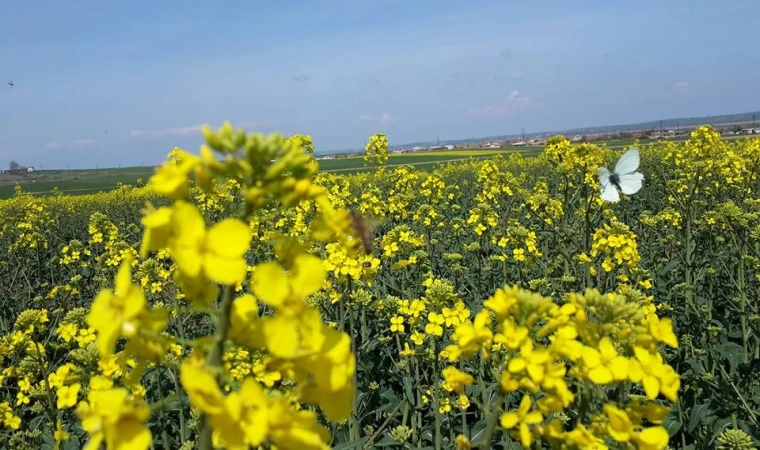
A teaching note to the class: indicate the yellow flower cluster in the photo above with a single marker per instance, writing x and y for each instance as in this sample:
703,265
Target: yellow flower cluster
376,150
550,352
616,245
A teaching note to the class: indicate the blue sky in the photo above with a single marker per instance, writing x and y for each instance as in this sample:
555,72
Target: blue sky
119,83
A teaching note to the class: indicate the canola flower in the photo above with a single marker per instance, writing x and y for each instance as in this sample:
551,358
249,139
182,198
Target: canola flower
228,302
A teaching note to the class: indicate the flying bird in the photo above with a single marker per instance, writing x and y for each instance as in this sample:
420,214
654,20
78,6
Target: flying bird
10,83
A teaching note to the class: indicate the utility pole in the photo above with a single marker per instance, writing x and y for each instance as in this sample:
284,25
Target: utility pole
523,134
661,130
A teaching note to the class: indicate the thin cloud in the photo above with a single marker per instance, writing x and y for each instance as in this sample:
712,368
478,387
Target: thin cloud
386,119
681,85
178,131
506,53
52,145
83,142
193,129
382,119
516,75
513,102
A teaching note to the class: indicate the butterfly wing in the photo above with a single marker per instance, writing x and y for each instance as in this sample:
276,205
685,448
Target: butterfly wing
604,177
630,183
609,192
629,162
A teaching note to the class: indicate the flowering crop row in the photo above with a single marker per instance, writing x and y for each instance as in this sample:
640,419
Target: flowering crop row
243,299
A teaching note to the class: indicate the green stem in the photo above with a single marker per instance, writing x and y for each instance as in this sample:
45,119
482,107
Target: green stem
437,407
491,428
214,359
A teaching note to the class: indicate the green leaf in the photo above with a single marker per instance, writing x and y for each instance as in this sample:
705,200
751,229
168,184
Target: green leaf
350,445
732,353
385,442
409,390
698,415
671,424
477,432
719,426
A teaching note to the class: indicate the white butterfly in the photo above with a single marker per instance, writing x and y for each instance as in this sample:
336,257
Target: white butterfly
624,178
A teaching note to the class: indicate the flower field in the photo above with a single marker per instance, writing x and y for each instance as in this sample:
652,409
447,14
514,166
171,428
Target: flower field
243,299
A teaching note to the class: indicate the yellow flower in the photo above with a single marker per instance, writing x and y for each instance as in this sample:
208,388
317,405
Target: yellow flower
21,399
67,396
201,387
24,384
286,293
117,313
407,351
434,326
605,365
86,335
11,421
243,421
100,383
66,331
157,225
472,337
455,379
418,338
113,417
296,429
534,361
511,336
397,324
60,434
622,429
522,417
662,330
171,179
655,376
217,253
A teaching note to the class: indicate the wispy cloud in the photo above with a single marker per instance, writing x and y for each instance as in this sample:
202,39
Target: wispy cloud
382,119
516,75
301,78
386,119
681,85
52,145
193,129
513,102
83,142
178,131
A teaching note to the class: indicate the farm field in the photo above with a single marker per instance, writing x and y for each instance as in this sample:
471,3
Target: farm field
490,303
83,181
92,180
